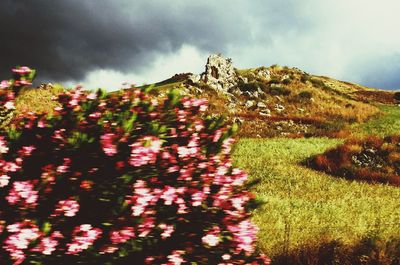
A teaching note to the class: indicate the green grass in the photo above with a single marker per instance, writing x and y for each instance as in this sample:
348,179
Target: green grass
386,124
307,208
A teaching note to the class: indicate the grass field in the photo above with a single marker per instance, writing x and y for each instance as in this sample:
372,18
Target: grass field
386,124
305,208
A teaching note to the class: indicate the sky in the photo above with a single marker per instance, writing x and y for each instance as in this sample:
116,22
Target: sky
105,43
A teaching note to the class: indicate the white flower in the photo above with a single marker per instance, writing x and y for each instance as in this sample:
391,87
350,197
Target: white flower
9,105
211,240
4,180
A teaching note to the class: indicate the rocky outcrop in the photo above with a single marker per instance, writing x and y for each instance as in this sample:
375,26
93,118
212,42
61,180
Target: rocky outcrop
219,74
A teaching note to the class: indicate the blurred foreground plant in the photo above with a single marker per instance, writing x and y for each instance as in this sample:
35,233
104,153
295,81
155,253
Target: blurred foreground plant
122,178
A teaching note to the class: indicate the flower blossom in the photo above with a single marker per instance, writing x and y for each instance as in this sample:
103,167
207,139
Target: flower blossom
22,234
212,238
107,142
83,237
3,146
121,236
142,155
5,84
23,70
176,258
168,230
244,235
4,180
68,208
23,192
48,245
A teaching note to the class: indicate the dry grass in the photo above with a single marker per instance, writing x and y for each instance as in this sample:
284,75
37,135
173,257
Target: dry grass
38,100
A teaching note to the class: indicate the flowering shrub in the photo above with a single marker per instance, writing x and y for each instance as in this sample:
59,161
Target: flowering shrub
122,179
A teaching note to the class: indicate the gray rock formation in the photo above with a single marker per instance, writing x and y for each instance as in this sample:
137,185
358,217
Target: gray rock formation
219,73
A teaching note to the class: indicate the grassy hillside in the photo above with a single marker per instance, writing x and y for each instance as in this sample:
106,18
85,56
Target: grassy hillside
289,102
305,210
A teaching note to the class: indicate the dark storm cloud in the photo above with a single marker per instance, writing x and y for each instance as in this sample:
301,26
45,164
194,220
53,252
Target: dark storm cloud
70,39
67,39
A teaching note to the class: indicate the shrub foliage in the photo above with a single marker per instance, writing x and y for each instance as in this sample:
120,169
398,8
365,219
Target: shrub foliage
121,178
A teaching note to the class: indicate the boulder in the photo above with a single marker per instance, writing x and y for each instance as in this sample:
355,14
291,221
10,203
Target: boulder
261,105
249,104
279,108
219,73
264,73
194,78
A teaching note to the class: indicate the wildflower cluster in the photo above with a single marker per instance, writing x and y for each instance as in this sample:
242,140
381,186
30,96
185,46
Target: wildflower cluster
122,177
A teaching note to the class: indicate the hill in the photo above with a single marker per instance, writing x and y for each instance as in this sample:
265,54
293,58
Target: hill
280,101
266,101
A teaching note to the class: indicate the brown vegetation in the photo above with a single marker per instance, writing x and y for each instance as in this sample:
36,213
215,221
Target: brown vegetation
372,159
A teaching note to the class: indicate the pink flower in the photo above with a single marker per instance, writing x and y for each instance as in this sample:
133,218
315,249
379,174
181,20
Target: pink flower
23,70
217,136
18,83
4,180
91,96
3,146
168,230
176,257
22,234
145,151
107,142
5,84
68,208
244,235
27,150
211,240
82,238
48,245
22,192
11,167
146,227
121,236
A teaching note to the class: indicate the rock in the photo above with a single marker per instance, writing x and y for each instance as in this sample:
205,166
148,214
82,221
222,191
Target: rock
279,98
194,78
263,73
249,94
276,86
261,105
249,104
279,108
235,91
238,120
265,112
219,73
243,79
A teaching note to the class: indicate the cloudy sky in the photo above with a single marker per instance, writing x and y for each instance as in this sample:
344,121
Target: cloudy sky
103,43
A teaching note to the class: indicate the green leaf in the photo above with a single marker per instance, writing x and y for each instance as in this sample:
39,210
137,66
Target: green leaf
148,89
128,124
46,228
